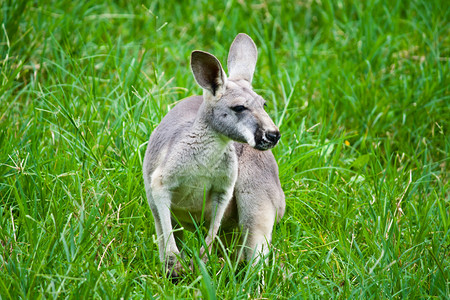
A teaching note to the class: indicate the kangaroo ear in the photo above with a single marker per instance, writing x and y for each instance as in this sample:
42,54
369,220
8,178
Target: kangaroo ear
242,58
208,71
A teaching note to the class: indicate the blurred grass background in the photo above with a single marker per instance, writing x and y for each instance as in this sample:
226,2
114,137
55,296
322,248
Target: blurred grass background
360,90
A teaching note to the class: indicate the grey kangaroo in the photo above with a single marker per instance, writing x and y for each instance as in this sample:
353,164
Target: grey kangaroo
206,160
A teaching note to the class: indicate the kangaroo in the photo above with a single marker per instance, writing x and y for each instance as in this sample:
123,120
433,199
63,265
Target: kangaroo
206,160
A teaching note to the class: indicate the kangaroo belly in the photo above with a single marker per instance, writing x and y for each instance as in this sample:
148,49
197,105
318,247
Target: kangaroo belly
191,201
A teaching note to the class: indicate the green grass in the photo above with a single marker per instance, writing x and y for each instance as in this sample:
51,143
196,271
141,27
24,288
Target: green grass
360,90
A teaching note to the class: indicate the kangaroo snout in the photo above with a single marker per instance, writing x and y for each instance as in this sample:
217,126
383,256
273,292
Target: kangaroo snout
266,139
273,136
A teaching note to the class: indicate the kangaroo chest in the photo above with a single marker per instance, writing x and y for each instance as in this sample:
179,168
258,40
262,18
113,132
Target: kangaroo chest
198,182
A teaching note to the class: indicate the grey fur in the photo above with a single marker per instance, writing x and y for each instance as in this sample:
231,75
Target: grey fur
201,159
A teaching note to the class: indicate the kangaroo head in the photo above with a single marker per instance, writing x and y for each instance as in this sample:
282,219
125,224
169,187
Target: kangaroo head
231,107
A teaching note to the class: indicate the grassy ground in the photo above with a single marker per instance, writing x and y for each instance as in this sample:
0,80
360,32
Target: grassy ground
360,90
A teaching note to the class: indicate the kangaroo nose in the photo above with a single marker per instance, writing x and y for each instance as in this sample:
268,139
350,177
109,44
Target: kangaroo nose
273,136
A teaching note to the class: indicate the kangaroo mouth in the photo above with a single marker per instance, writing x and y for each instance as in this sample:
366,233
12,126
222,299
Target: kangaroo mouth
264,146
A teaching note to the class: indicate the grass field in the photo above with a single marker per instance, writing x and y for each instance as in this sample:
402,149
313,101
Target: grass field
359,89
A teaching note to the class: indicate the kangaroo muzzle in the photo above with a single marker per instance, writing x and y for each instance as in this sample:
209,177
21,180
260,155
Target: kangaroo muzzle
266,139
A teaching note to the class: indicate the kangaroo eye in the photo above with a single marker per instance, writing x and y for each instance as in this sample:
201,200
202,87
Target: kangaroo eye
239,108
